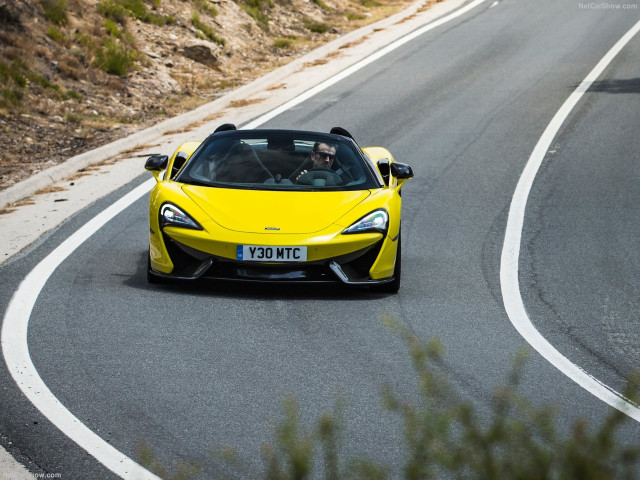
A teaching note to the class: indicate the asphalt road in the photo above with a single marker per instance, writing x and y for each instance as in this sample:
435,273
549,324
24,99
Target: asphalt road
188,370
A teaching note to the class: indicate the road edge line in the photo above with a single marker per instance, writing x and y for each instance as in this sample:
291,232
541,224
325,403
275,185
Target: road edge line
509,261
15,323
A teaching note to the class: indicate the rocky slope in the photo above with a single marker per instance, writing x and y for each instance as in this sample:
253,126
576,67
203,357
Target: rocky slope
76,74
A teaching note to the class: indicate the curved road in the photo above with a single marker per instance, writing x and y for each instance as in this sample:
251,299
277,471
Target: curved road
190,369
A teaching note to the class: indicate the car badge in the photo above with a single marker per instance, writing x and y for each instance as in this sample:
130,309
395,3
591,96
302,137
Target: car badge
272,228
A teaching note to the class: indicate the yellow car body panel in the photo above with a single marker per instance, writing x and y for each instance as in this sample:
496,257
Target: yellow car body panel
232,217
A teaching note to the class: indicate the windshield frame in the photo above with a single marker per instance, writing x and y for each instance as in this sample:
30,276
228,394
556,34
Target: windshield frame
304,139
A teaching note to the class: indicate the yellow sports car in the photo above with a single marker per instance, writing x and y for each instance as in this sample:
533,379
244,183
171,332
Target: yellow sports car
277,206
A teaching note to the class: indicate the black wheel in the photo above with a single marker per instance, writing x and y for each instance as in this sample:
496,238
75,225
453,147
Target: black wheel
394,285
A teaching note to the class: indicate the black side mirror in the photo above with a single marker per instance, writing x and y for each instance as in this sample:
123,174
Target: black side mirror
383,166
156,162
178,163
401,171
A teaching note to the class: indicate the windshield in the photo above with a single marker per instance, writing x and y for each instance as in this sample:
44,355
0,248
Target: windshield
267,160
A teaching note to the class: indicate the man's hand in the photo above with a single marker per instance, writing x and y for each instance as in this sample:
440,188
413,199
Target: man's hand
301,173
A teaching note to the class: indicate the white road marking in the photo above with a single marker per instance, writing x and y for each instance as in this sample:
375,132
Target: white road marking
511,249
16,350
494,4
16,319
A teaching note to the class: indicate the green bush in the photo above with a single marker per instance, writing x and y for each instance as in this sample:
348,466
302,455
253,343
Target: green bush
284,43
73,95
316,27
112,28
115,58
206,30
55,11
57,36
120,10
207,7
445,436
12,73
11,97
321,4
256,8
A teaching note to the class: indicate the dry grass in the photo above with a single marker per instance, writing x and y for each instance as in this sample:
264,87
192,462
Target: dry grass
51,189
354,43
244,102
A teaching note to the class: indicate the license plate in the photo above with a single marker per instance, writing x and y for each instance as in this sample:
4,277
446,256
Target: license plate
263,253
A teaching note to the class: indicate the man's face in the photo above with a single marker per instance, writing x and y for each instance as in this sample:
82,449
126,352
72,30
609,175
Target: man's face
324,156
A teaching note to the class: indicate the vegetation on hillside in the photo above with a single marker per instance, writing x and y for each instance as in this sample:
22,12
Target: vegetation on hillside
75,74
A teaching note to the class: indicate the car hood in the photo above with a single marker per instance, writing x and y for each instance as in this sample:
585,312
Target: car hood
260,211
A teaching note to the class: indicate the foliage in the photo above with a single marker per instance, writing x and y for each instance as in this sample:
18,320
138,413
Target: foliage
55,11
446,436
316,27
57,36
321,4
285,43
207,7
256,8
120,10
115,57
14,80
206,30
182,471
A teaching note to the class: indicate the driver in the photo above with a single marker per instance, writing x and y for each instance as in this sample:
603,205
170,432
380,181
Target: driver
322,156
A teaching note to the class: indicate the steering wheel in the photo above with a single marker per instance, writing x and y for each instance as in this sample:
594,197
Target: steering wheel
320,177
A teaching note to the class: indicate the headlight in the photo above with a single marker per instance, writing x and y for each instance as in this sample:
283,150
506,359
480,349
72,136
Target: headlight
376,221
170,215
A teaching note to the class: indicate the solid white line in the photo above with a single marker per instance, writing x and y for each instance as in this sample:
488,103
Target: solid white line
16,319
16,350
511,295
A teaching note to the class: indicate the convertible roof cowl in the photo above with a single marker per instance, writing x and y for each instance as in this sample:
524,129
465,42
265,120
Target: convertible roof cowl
225,127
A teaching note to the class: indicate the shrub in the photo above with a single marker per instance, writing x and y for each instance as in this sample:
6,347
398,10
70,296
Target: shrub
57,36
112,28
115,58
285,43
120,10
206,30
207,7
73,95
12,73
55,11
255,9
446,437
321,4
316,27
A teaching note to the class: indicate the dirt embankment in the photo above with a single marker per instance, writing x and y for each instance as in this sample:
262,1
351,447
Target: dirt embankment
77,74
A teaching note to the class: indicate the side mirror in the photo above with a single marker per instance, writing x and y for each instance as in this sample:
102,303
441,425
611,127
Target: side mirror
156,163
383,167
401,171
